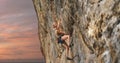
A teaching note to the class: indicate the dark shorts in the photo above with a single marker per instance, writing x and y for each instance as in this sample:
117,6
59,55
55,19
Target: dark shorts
60,40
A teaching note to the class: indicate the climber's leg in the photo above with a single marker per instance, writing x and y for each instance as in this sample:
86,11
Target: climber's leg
66,38
66,44
67,49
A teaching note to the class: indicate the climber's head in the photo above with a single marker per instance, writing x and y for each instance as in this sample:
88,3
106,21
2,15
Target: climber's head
54,25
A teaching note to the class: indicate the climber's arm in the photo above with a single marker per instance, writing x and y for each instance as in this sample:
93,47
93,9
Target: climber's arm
58,24
59,31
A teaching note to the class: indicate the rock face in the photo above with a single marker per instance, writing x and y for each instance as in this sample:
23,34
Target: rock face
94,27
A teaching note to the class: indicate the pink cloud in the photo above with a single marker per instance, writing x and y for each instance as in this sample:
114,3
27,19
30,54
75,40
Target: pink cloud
3,2
18,30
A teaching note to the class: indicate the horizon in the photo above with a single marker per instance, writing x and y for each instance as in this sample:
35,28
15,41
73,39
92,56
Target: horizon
22,60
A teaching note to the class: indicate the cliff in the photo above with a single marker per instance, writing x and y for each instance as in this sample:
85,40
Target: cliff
93,26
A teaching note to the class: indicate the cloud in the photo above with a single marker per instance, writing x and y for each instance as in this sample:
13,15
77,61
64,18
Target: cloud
17,11
18,30
17,50
19,53
14,6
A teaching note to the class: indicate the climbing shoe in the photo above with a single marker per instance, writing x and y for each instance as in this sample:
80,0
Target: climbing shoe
69,58
71,45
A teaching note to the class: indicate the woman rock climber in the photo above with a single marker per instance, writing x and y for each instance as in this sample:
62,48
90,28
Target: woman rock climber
63,38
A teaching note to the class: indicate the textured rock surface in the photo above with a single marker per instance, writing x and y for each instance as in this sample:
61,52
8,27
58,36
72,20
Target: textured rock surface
94,26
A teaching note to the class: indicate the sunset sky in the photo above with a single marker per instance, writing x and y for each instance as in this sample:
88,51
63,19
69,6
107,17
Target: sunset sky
18,30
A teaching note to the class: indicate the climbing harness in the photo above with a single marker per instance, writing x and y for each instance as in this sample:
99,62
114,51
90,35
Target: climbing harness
60,40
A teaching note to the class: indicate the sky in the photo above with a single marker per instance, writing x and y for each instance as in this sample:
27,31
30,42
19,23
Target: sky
18,30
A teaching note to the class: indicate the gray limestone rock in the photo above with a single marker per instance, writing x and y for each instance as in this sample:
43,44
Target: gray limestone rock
93,26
